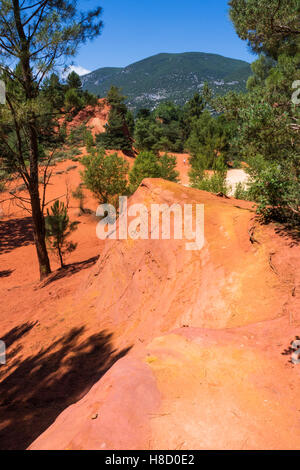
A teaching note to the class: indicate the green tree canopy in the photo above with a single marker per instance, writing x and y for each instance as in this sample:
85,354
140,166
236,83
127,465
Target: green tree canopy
105,175
150,165
271,27
74,81
35,35
117,130
58,230
267,120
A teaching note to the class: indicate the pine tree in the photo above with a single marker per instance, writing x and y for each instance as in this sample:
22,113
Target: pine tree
145,166
117,134
167,165
267,119
73,101
270,27
58,230
36,35
147,134
74,81
54,91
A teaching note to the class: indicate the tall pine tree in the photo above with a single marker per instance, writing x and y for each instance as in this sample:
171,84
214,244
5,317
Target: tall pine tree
117,134
36,35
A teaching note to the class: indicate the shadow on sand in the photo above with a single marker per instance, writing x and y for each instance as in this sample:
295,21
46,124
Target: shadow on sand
6,273
35,390
69,270
15,233
290,232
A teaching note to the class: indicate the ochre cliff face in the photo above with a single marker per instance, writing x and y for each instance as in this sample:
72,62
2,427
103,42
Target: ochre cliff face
239,277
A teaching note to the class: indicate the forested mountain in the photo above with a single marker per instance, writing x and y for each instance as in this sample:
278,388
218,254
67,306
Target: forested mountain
174,77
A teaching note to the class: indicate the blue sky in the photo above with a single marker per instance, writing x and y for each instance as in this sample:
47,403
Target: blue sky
136,29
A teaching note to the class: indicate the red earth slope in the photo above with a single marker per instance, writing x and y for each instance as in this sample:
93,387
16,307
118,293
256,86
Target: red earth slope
208,330
94,117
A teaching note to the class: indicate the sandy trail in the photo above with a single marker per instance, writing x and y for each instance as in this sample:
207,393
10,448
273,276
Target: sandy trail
234,177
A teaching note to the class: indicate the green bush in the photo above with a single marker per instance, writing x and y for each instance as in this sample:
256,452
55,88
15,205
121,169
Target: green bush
89,140
276,189
58,229
145,166
213,183
77,135
60,156
2,186
150,165
242,192
73,101
73,152
167,168
105,175
79,195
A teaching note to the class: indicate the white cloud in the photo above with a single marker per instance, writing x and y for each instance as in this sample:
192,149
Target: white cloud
76,68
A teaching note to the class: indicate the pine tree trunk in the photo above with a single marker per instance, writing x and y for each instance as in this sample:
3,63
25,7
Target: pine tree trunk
37,215
61,258
39,234
31,93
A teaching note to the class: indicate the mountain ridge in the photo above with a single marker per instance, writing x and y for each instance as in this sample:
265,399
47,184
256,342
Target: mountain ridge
170,76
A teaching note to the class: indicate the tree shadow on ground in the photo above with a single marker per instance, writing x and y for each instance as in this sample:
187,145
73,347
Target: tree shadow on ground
10,338
6,273
17,333
69,270
15,233
35,390
130,153
290,232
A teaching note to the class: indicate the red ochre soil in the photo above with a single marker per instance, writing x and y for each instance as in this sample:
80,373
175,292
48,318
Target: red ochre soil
94,117
151,346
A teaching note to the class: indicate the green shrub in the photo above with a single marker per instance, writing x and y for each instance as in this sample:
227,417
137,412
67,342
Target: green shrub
167,168
60,156
73,152
2,186
77,135
213,183
79,195
89,140
241,192
145,166
58,229
276,189
149,165
105,175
